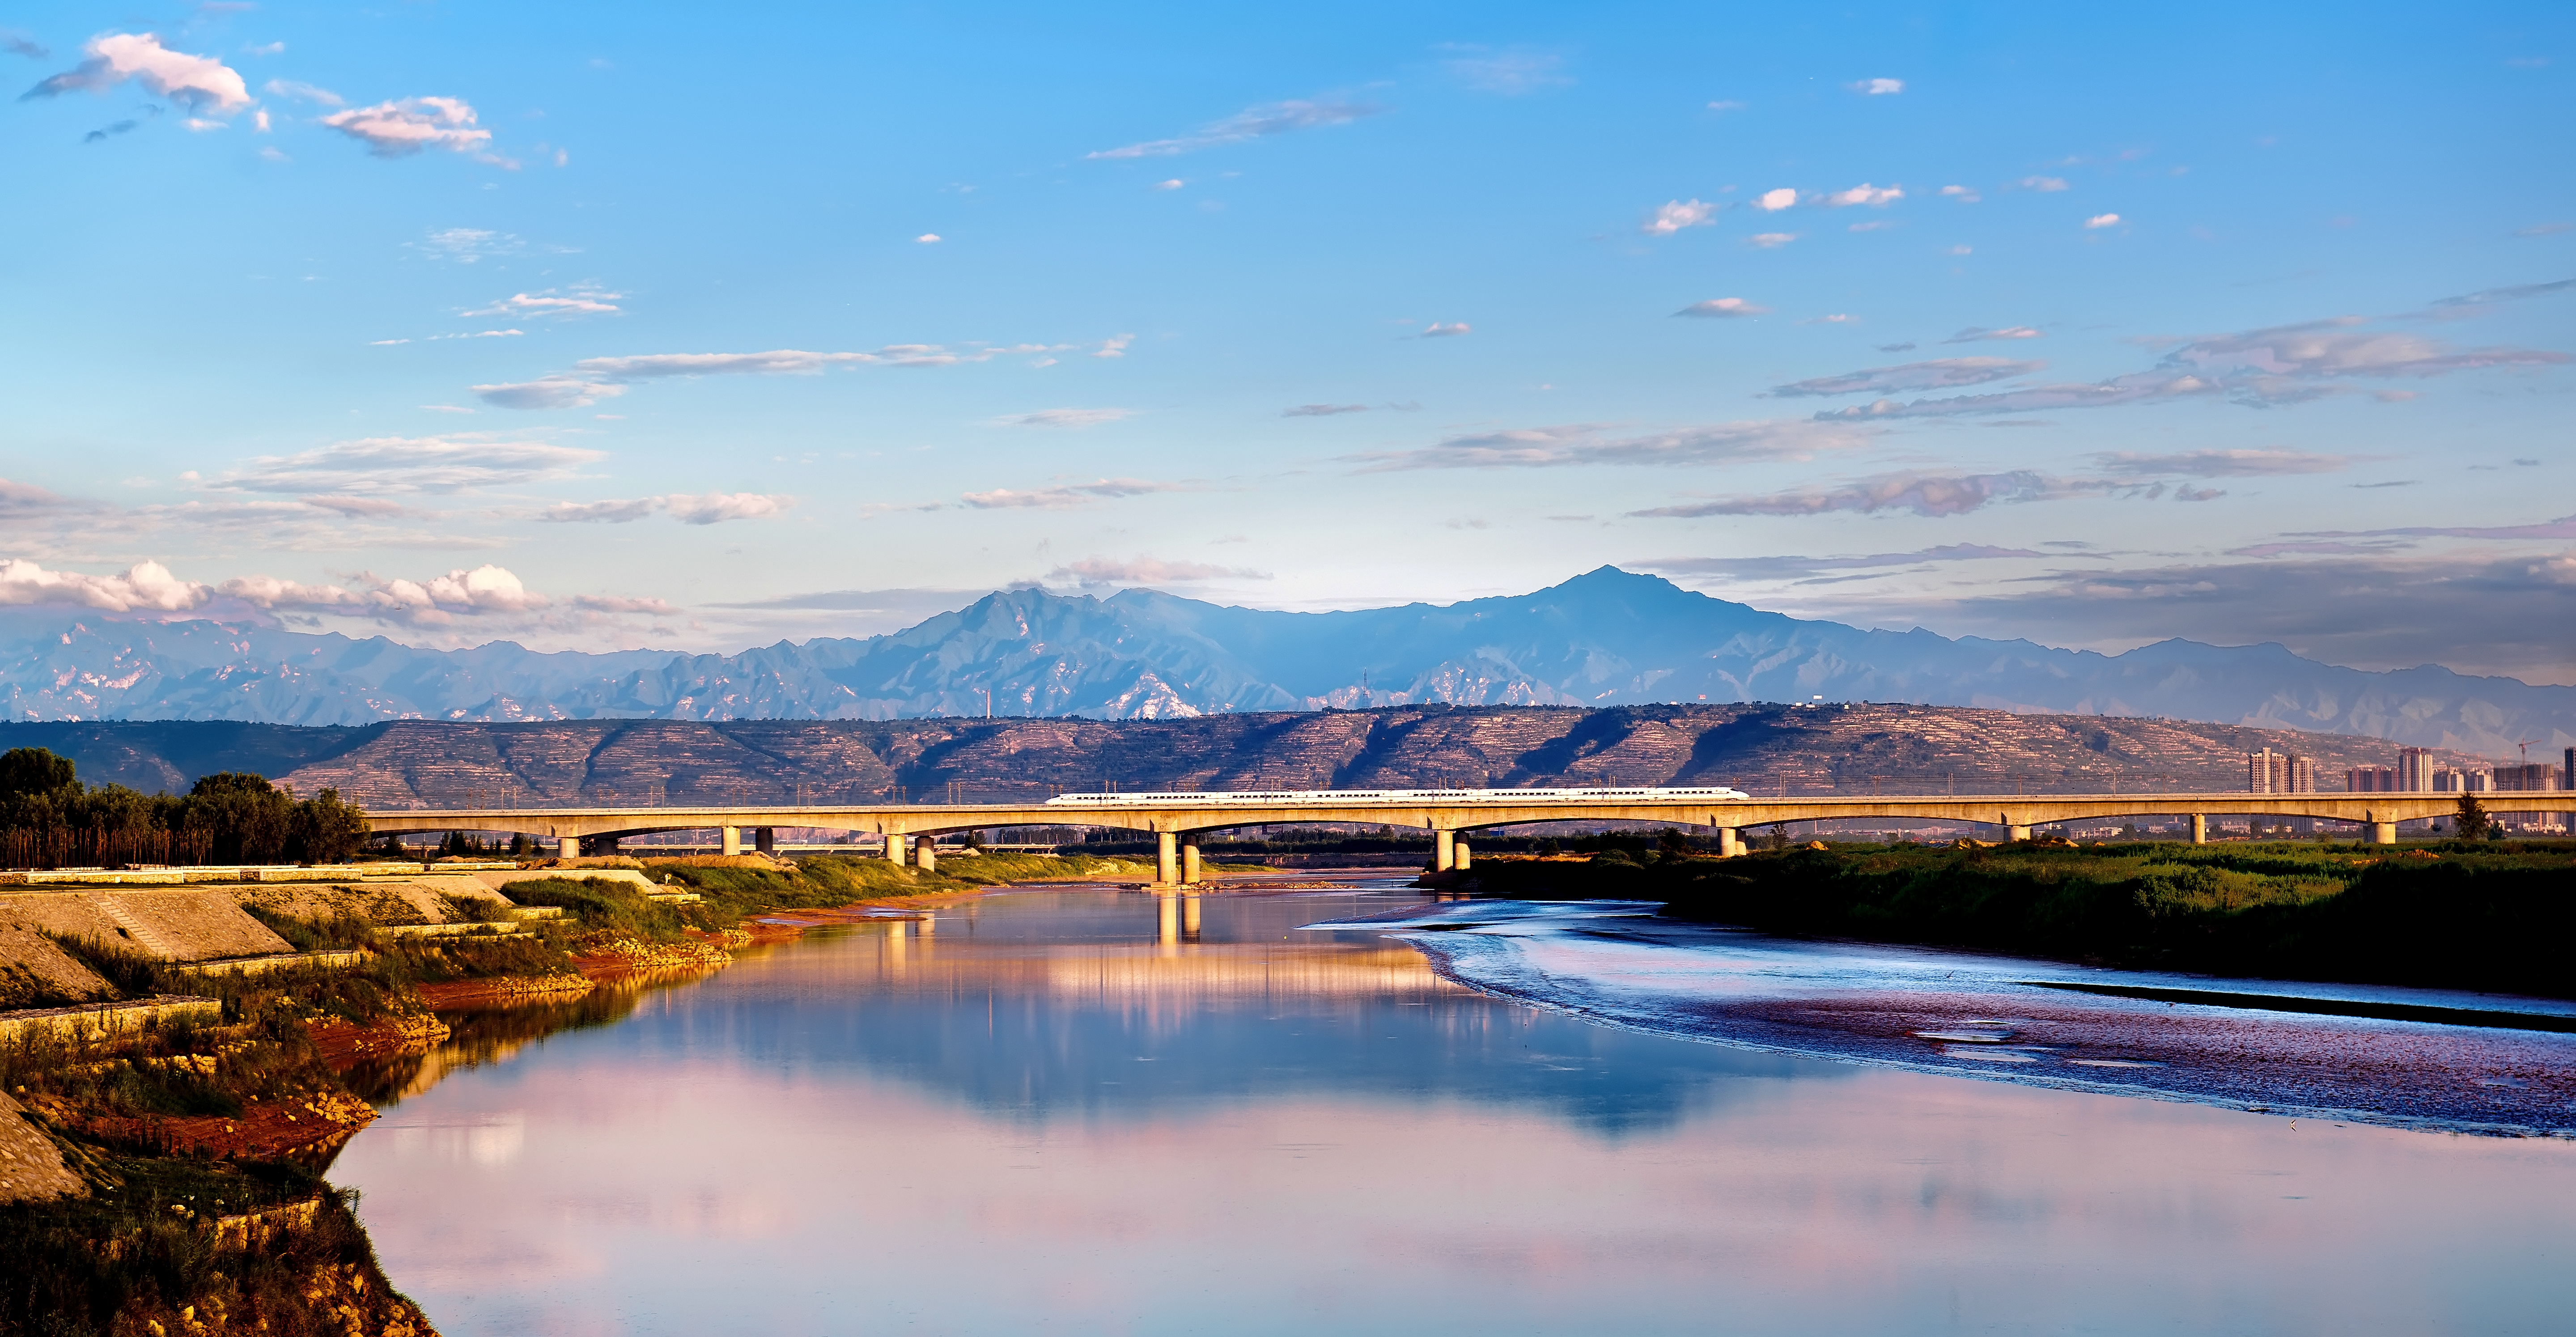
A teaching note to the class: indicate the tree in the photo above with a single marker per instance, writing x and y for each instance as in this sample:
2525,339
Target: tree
2473,818
325,830
32,770
1672,843
249,819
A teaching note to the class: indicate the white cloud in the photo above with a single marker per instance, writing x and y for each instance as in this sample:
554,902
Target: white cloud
1321,410
1114,346
1879,87
1672,217
717,507
143,586
1962,194
259,122
437,601
1976,333
201,84
2102,221
1074,418
548,392
1723,307
928,239
1101,571
1772,240
466,245
1875,197
200,125
579,301
1773,201
2043,183
1436,330
1598,443
1174,184
394,464
25,499
1277,118
1941,373
1069,496
397,129
303,92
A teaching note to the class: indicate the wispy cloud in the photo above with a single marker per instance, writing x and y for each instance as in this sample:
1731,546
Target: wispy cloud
1672,217
1878,87
1922,494
576,301
1771,241
381,465
304,92
594,379
201,84
2516,293
2100,221
1277,118
1962,194
1101,572
1977,334
21,500
1723,308
687,508
2045,184
1436,330
1807,568
400,129
1322,410
2283,365
2221,463
1876,197
17,43
1602,443
1064,418
1069,496
1940,373
1510,73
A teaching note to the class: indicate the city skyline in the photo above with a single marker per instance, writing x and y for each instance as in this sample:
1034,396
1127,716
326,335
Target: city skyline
590,329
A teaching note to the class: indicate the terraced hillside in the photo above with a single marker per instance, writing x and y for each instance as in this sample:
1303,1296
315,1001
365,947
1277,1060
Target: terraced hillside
1768,748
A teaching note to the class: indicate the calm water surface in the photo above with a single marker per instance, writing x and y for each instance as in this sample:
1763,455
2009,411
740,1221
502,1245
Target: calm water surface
1090,1111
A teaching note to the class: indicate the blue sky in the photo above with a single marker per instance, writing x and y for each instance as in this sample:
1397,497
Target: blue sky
591,326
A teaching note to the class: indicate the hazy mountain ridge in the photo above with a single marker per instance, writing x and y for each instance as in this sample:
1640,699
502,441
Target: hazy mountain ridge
1605,638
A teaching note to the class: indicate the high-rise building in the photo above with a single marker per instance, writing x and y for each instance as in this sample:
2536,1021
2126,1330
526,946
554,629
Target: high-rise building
2567,776
2414,770
2527,778
2371,780
2270,772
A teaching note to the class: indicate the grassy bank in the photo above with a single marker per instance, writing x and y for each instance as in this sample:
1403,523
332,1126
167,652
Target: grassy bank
2490,917
201,1147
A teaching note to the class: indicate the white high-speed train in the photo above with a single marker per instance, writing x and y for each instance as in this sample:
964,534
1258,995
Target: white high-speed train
1364,797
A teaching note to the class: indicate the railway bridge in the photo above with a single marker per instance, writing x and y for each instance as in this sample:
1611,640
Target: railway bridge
909,829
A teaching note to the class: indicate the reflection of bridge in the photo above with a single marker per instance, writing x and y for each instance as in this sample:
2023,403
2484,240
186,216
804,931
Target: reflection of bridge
1180,823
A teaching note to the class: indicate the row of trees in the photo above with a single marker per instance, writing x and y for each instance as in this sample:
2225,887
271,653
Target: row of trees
48,818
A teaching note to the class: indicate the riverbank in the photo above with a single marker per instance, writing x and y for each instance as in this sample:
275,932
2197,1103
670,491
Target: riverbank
2486,917
167,1177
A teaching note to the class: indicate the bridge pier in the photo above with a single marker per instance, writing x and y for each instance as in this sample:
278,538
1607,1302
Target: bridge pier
1444,851
2200,828
1167,858
765,839
1190,859
1461,861
2383,833
567,847
1730,842
925,853
2016,833
731,840
893,846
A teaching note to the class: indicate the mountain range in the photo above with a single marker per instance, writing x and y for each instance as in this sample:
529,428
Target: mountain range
1606,638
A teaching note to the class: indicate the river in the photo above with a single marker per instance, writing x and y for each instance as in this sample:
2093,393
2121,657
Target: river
1091,1111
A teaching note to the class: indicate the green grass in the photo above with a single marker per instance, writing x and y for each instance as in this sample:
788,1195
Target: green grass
2486,917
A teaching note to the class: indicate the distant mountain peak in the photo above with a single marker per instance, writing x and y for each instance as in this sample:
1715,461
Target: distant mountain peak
1606,637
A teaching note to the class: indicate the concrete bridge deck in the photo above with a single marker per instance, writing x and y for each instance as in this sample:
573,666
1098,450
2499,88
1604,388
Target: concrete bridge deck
1180,823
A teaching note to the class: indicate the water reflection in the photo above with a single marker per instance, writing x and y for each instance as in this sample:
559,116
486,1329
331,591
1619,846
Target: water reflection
1086,1112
